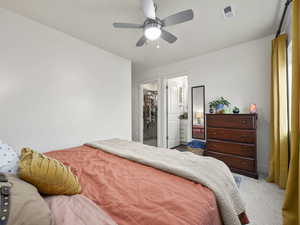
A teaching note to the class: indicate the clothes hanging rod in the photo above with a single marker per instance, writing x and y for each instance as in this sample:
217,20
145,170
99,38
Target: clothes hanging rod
288,2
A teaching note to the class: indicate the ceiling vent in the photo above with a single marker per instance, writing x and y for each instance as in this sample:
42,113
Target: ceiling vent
228,12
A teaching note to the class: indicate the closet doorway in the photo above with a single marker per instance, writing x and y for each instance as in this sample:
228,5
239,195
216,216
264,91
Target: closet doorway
150,99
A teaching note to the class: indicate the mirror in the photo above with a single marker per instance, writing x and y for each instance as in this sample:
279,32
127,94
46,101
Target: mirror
198,112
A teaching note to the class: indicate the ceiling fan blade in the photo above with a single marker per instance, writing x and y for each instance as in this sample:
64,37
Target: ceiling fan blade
141,42
167,36
127,25
180,17
149,9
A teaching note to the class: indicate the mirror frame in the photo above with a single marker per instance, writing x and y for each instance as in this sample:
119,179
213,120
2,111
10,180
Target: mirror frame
192,113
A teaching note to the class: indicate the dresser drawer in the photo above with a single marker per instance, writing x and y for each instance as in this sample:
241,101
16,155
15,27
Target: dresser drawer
243,136
246,150
232,121
234,161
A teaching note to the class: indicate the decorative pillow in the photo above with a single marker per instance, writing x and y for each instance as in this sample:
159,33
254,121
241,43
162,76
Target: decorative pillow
27,207
8,159
50,176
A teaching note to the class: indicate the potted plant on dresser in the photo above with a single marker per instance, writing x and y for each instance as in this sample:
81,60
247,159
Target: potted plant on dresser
218,105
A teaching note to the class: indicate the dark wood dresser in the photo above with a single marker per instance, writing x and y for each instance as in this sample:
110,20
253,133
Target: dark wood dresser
231,138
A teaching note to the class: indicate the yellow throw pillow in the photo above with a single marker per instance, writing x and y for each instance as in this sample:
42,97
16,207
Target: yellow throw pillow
50,176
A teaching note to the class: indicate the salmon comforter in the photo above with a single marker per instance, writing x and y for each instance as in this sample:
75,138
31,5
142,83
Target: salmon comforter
135,194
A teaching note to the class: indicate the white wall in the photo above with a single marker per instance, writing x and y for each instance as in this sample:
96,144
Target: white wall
57,91
240,73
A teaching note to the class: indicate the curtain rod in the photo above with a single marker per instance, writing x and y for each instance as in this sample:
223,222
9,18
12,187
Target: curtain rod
288,2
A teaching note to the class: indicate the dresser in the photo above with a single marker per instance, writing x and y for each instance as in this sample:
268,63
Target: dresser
231,138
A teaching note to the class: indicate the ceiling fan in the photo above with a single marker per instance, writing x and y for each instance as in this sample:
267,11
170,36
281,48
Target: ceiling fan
153,26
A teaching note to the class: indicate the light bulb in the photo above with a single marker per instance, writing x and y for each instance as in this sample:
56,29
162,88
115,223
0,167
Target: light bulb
152,32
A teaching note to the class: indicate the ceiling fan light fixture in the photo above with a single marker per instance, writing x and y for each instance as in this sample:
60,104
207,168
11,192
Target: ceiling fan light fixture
152,31
154,27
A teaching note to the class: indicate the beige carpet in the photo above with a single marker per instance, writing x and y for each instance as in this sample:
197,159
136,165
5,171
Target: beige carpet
263,201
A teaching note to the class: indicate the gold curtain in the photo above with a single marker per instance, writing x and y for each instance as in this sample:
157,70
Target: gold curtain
291,203
279,153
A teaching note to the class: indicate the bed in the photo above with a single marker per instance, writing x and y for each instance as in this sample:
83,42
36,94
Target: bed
136,194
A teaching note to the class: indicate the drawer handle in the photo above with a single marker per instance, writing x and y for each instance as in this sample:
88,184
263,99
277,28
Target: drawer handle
244,121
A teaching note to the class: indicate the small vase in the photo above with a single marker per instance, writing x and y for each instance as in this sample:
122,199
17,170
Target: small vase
211,110
236,111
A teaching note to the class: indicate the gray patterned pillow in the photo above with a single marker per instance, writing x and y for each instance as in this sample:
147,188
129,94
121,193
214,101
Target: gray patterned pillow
8,159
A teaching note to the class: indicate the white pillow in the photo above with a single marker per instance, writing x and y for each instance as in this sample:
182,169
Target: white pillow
8,159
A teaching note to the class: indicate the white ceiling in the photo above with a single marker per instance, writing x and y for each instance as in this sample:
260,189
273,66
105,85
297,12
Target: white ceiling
91,21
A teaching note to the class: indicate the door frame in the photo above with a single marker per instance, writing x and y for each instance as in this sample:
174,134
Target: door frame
166,104
141,110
